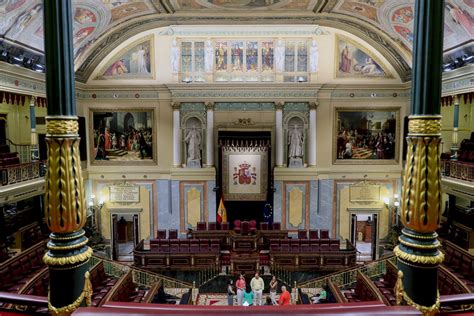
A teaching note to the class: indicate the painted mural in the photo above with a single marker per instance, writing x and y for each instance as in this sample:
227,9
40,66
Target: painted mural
134,63
353,61
397,18
23,20
243,4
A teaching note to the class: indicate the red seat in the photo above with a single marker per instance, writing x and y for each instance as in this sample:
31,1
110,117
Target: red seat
173,234
215,245
325,234
334,244
253,226
164,245
276,226
302,234
161,234
201,226
237,227
194,245
174,245
294,245
154,244
184,245
285,245
274,244
324,245
204,245
313,234
264,226
314,245
212,226
304,245
225,226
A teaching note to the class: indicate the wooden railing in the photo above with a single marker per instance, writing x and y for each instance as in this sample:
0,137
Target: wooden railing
23,150
458,169
21,172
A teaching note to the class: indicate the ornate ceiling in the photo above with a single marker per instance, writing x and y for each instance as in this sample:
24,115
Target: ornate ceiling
99,25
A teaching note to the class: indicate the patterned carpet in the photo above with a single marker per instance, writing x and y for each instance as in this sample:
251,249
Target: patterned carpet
130,156
362,153
220,299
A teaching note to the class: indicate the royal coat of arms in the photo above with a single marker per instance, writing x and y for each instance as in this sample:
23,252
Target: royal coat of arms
245,174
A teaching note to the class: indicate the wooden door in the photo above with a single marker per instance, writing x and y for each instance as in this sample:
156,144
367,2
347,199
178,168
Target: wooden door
354,229
114,241
136,232
374,236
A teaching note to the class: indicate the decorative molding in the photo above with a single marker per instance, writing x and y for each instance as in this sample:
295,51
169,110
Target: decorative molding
117,95
244,106
287,30
347,93
12,82
458,81
243,94
296,106
192,107
244,122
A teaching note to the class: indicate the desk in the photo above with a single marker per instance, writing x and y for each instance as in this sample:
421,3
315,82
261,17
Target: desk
222,235
247,263
244,243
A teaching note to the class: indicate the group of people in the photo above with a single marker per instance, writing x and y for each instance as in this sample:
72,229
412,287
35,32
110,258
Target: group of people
251,294
134,140
381,144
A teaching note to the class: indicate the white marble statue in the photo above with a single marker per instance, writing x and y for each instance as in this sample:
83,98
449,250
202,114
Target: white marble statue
175,57
314,57
193,139
280,56
142,60
295,142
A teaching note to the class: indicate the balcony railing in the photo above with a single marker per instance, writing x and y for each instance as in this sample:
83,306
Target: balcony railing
458,169
21,172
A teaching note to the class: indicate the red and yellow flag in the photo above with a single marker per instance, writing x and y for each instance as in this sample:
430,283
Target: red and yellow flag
221,212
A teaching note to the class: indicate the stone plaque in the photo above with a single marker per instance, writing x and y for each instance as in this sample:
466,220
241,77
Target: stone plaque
124,194
364,193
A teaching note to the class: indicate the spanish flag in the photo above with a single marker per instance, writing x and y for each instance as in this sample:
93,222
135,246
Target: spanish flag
221,212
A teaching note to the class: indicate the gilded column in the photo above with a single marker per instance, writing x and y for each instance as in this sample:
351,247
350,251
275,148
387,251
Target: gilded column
210,134
454,143
279,133
312,134
176,134
418,253
68,254
34,136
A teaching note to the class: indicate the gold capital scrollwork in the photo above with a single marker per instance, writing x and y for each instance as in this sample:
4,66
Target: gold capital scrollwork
279,105
432,260
85,294
59,126
421,194
64,198
67,260
424,125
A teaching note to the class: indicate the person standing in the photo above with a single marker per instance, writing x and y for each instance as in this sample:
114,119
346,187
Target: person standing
230,293
240,284
273,289
285,298
257,286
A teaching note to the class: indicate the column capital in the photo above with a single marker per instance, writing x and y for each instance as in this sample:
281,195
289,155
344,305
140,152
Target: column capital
209,105
175,105
279,105
32,100
313,105
455,99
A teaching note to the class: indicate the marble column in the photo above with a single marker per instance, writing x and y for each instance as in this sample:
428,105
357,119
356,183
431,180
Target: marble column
209,134
176,134
454,144
312,134
279,133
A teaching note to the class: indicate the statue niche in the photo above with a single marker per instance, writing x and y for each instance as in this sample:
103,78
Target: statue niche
193,142
295,142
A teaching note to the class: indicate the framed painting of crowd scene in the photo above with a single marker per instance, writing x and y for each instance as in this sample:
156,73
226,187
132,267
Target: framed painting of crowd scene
121,136
366,136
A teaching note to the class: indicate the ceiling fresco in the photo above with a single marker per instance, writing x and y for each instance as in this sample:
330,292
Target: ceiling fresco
98,25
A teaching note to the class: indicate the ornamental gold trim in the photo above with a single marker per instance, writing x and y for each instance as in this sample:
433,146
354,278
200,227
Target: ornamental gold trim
85,294
68,247
62,261
435,235
433,260
59,238
401,295
60,126
424,125
419,246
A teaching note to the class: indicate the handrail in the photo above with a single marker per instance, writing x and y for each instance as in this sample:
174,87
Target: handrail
373,288
15,144
349,275
455,279
455,247
336,292
23,299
